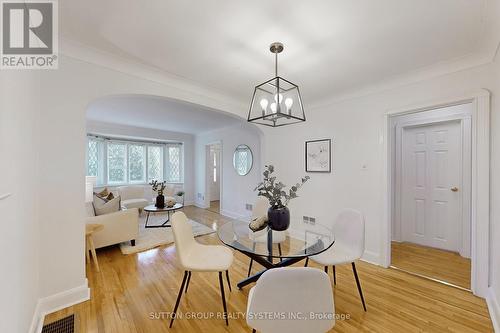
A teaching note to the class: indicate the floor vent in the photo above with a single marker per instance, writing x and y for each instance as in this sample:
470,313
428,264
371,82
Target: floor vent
65,325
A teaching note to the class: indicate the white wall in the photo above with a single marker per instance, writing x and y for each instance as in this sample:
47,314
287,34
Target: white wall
101,128
237,190
495,185
356,127
19,114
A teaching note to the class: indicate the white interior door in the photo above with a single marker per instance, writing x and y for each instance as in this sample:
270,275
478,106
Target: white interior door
214,172
431,183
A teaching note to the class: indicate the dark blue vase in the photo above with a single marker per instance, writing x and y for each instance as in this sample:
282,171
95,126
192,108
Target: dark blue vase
278,218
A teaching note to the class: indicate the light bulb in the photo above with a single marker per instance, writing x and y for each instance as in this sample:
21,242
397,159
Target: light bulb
273,107
288,103
280,98
263,104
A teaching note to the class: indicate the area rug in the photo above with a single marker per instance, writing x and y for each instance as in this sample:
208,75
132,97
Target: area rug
152,237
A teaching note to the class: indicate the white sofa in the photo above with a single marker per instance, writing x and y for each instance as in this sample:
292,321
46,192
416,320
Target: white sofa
121,226
133,197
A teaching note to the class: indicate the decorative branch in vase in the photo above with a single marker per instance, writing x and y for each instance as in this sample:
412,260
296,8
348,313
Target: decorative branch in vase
278,214
159,187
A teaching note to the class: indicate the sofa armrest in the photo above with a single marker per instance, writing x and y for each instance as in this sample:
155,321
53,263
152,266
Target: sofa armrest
119,227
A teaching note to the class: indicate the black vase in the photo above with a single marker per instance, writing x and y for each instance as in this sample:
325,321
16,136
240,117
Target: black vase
160,201
278,218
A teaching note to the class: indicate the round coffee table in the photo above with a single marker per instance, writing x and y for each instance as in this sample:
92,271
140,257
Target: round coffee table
153,209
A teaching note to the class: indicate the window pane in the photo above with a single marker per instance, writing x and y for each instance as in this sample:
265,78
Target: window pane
174,161
136,163
117,163
155,163
93,157
242,162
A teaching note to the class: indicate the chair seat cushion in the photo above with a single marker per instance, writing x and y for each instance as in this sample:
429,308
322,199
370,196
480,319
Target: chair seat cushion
335,255
134,203
208,258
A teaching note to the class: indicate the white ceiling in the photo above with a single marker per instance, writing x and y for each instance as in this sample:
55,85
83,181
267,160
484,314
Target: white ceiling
331,46
158,113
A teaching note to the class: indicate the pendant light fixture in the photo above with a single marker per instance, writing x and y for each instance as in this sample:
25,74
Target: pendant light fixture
277,101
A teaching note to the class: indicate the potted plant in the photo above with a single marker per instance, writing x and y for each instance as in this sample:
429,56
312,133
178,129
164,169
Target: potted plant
180,194
159,187
278,214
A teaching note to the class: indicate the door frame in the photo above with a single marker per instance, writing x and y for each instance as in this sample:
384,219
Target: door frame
208,174
480,182
464,119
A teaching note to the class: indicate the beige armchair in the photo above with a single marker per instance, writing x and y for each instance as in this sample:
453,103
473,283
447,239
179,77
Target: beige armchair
121,226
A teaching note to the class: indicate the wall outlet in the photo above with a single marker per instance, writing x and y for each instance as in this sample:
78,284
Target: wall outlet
312,220
305,219
249,207
201,196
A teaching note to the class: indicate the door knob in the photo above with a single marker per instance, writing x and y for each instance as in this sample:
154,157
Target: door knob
454,189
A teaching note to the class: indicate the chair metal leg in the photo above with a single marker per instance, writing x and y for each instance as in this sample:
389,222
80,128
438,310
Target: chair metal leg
326,269
251,262
178,298
307,262
223,297
228,282
189,279
250,268
359,285
279,250
334,275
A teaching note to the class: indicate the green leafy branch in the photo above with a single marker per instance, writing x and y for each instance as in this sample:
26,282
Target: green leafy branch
275,191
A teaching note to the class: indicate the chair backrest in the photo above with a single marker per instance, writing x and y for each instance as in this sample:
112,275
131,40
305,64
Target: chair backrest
349,231
131,192
291,294
260,207
183,236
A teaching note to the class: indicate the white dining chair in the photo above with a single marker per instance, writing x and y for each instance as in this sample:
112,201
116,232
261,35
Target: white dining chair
196,257
260,209
284,299
349,231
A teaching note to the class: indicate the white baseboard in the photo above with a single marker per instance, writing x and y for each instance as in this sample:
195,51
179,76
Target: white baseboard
372,258
57,302
189,203
200,205
234,215
494,309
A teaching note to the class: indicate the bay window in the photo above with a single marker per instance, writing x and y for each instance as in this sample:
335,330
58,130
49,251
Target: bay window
119,162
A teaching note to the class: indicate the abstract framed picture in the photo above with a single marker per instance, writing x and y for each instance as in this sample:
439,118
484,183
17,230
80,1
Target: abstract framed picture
319,155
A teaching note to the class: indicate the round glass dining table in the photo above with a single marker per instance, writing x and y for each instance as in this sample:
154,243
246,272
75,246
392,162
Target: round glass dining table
274,249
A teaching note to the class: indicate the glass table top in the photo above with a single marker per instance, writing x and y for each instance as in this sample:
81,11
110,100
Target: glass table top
296,243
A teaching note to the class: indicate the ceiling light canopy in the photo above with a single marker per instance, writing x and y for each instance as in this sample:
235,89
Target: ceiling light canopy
276,102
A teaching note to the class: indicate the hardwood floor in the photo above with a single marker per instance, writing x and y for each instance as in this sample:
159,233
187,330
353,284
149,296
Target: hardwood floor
214,206
134,293
434,263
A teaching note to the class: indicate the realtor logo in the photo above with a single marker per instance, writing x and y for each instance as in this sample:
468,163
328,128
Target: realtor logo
29,35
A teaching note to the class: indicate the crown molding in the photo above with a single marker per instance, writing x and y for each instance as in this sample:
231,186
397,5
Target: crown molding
440,69
222,101
209,97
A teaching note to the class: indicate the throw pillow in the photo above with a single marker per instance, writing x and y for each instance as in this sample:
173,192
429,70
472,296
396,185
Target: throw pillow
103,194
258,223
111,206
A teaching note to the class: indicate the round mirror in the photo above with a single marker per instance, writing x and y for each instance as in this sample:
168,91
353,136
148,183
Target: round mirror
242,160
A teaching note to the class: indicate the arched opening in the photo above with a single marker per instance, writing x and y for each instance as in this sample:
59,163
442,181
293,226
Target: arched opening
135,139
